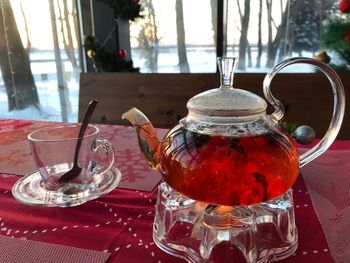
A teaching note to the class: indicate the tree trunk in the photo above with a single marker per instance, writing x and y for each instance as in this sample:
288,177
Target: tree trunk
278,41
62,88
148,38
250,63
243,41
69,41
181,39
260,47
66,34
214,14
155,38
29,44
78,36
284,43
270,60
15,63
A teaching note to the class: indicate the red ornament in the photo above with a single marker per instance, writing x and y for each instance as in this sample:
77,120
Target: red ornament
347,35
136,1
122,53
344,6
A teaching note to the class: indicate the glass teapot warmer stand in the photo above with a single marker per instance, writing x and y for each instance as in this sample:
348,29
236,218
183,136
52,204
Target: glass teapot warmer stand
198,232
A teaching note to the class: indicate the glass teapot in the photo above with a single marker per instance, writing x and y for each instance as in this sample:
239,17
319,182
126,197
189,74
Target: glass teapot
228,150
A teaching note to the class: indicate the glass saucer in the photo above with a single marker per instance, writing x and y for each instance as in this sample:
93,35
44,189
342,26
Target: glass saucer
29,190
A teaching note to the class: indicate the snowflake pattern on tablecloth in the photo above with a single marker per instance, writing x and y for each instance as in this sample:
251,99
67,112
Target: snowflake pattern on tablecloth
128,133
109,132
15,156
132,165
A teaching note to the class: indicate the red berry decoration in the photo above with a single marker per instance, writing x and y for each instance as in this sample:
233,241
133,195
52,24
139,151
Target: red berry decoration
136,1
347,35
122,53
344,6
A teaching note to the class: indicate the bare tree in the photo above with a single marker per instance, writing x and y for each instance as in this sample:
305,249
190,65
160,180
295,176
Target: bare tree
29,44
62,87
284,43
269,32
69,27
243,41
15,63
260,46
66,33
148,36
214,15
77,33
276,45
181,39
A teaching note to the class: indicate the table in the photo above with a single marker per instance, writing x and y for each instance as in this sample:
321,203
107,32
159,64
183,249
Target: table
121,221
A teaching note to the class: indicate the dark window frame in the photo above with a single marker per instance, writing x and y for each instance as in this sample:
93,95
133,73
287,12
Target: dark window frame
94,19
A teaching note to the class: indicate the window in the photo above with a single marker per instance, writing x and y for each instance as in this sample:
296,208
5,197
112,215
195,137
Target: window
260,33
39,59
40,55
160,43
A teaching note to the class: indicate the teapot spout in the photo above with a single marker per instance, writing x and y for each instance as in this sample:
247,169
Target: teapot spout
147,135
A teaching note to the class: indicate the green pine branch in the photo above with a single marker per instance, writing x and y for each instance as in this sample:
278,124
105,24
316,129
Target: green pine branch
106,61
336,37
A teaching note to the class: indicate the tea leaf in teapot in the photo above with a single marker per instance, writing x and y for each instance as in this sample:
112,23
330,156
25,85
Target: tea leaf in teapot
236,146
186,142
270,139
149,154
200,139
261,179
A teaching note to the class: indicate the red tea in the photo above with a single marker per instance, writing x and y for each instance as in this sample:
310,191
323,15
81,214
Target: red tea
226,170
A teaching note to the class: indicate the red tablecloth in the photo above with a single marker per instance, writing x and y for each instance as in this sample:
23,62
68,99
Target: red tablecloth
121,223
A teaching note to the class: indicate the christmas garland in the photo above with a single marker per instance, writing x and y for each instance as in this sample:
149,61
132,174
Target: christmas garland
336,35
107,61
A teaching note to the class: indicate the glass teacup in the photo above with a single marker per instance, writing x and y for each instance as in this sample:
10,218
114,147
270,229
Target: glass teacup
53,151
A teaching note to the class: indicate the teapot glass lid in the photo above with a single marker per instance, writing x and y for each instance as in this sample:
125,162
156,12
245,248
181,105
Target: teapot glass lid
227,101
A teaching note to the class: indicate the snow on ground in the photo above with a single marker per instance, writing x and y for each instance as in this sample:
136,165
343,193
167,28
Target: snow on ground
50,109
44,70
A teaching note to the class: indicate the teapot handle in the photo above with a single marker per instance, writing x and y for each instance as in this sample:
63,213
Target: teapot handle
338,108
